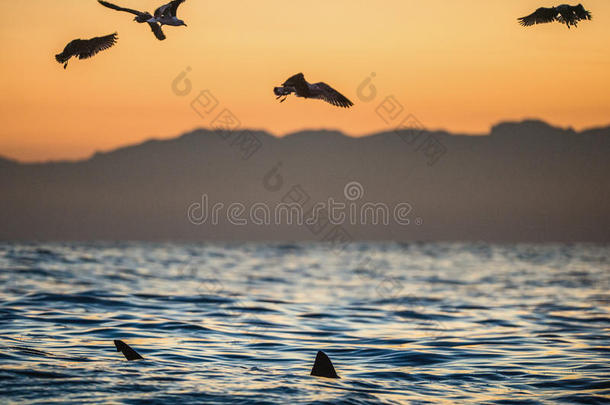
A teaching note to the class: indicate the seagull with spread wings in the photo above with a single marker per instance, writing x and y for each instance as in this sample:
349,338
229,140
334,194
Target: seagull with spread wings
85,48
301,88
565,14
164,15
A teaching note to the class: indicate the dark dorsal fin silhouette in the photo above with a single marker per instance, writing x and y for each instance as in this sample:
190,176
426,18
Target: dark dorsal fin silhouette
323,367
127,351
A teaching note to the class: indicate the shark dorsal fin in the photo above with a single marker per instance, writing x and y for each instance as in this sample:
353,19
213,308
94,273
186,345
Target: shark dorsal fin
323,367
127,351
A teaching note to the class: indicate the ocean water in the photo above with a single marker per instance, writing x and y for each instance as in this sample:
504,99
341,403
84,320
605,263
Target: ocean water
403,323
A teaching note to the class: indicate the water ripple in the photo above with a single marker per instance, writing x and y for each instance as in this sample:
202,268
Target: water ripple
449,323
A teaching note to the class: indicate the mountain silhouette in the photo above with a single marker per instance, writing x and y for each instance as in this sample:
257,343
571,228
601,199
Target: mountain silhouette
524,181
6,162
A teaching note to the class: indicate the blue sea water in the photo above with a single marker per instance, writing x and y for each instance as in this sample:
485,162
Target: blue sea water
241,323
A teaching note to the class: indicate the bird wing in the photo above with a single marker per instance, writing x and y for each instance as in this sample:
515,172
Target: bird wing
115,7
295,80
174,6
299,84
581,13
156,29
324,92
540,16
89,47
168,10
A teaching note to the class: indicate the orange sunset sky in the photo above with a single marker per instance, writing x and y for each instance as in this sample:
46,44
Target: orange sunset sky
456,65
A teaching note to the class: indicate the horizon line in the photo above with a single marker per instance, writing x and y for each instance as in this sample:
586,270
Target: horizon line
297,132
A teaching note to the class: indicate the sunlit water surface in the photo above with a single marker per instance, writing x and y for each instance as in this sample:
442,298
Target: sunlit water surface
422,323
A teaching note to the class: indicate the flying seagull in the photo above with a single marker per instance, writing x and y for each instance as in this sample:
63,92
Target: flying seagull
565,14
164,15
85,48
322,91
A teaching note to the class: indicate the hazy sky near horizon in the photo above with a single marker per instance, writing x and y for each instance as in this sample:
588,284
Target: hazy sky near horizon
460,66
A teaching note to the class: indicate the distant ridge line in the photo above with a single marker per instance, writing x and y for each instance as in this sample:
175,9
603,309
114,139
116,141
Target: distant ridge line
504,128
